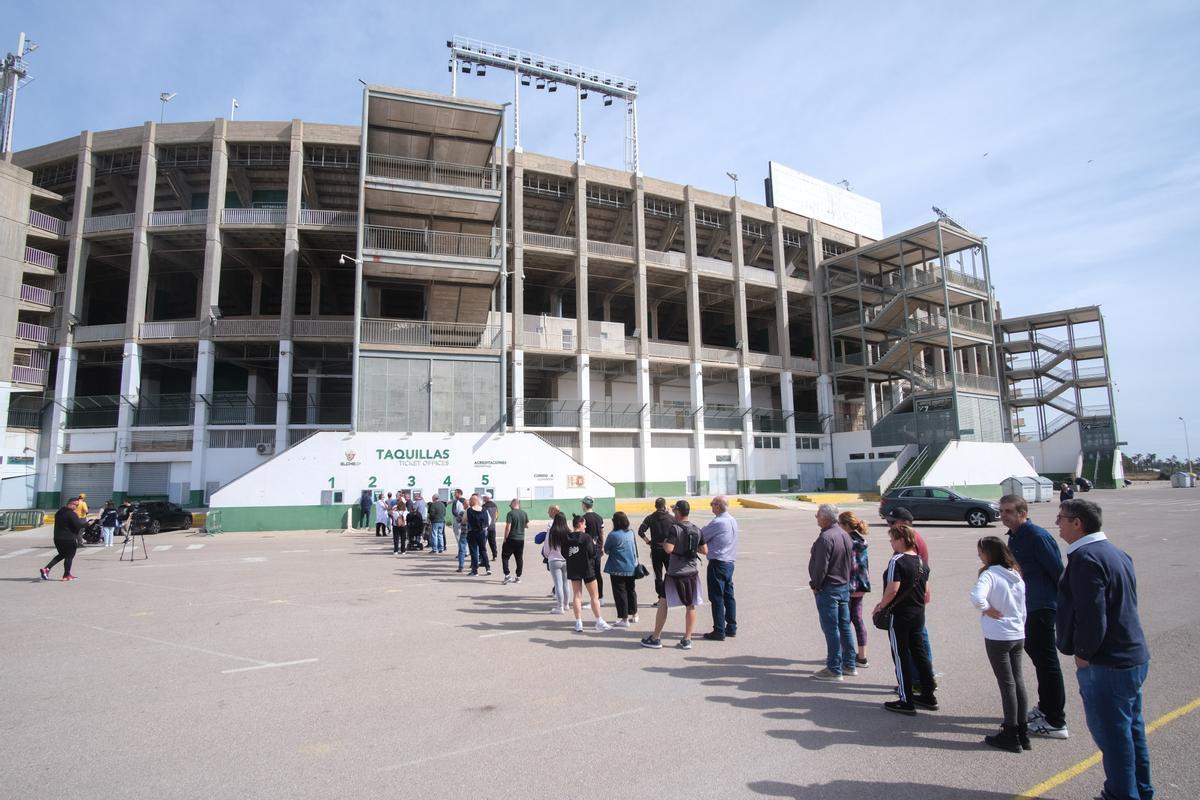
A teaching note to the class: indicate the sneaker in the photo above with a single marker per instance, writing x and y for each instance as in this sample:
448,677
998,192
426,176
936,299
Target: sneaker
45,573
713,636
1035,713
69,578
927,702
460,569
633,620
730,634
1040,727
517,579
601,625
473,573
507,580
684,644
852,672
395,552
826,675
621,623
901,708
863,663
489,572
652,643
579,626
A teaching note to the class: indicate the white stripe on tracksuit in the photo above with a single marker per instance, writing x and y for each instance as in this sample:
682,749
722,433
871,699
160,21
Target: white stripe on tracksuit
888,577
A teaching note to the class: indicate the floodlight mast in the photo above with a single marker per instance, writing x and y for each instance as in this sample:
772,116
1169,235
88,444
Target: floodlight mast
543,69
15,75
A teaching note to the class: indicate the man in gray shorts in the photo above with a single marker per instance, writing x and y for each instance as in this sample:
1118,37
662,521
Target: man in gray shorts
684,545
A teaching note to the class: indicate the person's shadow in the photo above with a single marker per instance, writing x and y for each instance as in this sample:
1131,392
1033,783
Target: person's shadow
858,790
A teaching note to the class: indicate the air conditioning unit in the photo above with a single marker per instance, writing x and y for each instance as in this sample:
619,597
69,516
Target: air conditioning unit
265,448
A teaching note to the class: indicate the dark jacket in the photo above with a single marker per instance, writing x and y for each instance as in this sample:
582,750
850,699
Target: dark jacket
66,525
1041,565
831,559
659,525
1097,616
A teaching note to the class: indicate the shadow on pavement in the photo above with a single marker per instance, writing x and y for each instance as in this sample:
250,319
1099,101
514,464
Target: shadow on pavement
857,790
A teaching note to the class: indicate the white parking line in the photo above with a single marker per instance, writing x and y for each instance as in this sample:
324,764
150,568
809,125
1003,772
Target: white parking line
158,548
501,633
20,552
194,546
268,666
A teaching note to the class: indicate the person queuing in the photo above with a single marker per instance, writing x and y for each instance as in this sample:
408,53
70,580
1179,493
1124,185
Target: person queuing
904,594
437,525
415,527
108,523
458,511
552,511
382,514
721,537
905,517
621,548
493,512
581,571
659,525
999,595
1040,562
365,505
397,522
860,580
1098,624
125,518
554,548
684,546
515,524
67,525
830,563
477,525
595,529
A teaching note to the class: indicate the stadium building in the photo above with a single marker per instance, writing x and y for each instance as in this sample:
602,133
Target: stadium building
184,302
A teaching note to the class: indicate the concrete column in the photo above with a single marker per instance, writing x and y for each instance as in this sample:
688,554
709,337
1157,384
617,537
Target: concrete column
783,343
745,402
556,304
131,377
252,394
291,238
584,378
311,388
283,388
205,359
315,307
641,322
653,323
49,482
516,199
217,180
825,401
695,340
606,308
518,389
740,325
256,283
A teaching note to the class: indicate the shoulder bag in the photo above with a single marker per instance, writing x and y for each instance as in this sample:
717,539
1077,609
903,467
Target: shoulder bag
640,570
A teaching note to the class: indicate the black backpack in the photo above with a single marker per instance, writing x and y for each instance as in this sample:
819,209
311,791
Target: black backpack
687,541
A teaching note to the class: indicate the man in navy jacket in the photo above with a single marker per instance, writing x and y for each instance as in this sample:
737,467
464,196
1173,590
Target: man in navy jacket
1098,624
1041,566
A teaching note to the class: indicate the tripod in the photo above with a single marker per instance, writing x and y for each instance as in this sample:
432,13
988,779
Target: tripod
131,539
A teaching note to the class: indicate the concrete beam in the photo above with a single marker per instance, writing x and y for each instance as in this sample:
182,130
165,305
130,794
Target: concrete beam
714,244
564,217
624,217
179,187
668,234
120,188
241,185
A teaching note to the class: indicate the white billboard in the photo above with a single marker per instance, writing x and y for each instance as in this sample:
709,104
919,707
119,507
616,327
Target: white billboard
805,195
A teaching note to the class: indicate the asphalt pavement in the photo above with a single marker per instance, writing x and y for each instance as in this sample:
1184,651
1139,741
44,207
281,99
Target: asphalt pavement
317,664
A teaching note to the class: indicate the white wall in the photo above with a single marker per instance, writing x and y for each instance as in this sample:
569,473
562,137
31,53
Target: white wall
974,463
1059,453
513,463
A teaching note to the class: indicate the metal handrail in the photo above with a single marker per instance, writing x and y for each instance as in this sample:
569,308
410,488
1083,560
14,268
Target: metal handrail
444,173
33,333
548,240
108,222
253,216
46,222
40,258
191,216
430,334
337,219
420,240
36,294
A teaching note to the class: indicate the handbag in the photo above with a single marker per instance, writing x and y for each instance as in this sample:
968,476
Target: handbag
640,570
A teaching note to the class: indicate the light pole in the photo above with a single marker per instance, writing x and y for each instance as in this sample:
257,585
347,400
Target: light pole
165,97
1187,445
733,177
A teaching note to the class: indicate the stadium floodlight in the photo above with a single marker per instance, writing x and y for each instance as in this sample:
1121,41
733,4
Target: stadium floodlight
608,100
583,94
524,79
466,67
480,70
553,87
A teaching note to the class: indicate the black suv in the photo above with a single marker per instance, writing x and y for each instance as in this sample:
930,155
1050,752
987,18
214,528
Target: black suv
159,515
938,504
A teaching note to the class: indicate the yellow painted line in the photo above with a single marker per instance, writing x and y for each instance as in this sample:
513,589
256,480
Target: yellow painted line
1094,759
745,502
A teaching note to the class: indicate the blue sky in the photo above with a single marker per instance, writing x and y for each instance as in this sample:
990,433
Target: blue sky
1089,114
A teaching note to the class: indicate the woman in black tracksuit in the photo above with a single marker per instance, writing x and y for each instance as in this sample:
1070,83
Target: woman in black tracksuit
67,525
904,581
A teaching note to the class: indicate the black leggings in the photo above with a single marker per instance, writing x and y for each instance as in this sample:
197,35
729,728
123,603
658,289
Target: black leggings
515,548
66,552
908,648
381,529
660,560
491,540
398,539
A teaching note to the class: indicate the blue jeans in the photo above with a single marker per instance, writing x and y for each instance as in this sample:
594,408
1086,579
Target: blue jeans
1112,703
833,608
720,594
437,536
460,535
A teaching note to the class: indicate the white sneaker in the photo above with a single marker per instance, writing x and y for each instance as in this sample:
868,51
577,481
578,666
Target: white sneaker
507,579
620,624
517,579
579,626
633,620
601,625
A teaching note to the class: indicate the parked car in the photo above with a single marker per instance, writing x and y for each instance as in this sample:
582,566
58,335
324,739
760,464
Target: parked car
1083,484
159,515
936,503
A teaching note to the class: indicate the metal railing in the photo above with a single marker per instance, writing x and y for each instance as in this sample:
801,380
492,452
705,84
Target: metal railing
36,294
100,333
164,410
969,380
97,411
445,173
241,408
671,258
1082,342
160,441
549,240
718,417
671,417
336,219
609,250
253,216
109,222
172,329
768,420
33,333
417,240
850,320
46,222
655,347
430,334
754,359
161,219
807,422
329,408
40,258
29,375
558,339
1095,411
605,414
542,412
323,328
25,411
245,328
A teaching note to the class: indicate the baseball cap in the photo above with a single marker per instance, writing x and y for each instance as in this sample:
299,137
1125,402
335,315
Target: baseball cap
682,506
902,514
588,501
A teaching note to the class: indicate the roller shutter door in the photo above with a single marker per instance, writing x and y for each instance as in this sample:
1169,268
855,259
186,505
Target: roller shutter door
94,480
149,480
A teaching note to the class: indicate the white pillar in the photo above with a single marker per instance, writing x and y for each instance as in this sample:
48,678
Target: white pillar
283,389
645,400
585,398
699,462
203,394
131,379
745,402
310,388
788,403
825,408
517,390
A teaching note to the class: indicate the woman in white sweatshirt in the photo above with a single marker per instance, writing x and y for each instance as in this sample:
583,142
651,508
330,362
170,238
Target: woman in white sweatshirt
999,594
